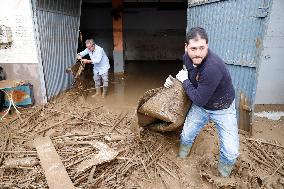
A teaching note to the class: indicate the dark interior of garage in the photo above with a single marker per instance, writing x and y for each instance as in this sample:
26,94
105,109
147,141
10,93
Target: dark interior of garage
153,36
152,31
153,40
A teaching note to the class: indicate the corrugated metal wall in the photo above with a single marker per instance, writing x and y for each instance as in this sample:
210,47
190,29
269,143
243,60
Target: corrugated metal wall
270,87
58,27
235,29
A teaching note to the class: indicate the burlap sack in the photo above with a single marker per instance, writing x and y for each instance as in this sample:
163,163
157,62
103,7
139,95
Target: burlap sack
163,109
83,75
77,68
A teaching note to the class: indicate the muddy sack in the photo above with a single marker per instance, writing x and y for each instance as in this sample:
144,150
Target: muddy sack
163,109
76,69
82,73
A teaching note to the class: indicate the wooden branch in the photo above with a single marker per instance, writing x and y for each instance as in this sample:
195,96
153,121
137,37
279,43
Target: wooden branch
4,147
257,140
270,176
163,181
157,157
15,152
262,162
146,170
82,136
28,119
91,175
257,153
123,165
78,161
265,154
80,179
117,123
167,170
72,115
54,125
72,157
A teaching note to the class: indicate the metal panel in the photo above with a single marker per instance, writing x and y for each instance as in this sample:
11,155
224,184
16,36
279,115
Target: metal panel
198,2
58,35
270,87
68,7
235,29
243,80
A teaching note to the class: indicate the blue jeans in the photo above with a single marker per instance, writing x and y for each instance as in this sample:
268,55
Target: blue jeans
97,78
227,128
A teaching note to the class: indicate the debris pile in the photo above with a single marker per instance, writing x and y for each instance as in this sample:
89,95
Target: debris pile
260,165
83,75
95,145
97,149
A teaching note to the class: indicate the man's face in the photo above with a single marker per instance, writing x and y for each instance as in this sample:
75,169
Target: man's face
90,46
197,50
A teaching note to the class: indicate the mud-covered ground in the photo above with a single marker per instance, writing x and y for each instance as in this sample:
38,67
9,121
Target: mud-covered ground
146,159
149,161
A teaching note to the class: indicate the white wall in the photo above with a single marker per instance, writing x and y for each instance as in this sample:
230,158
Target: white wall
270,87
19,57
17,15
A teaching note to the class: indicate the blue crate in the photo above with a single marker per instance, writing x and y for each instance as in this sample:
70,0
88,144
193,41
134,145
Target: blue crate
22,95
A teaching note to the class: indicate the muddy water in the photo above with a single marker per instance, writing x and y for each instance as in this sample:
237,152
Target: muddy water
126,89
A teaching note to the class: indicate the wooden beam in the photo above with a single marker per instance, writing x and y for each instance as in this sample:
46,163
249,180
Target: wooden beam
54,170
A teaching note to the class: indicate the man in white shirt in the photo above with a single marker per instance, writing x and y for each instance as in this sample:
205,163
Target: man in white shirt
101,65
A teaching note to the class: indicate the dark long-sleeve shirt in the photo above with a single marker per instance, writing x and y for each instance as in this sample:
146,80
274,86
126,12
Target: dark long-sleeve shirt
209,84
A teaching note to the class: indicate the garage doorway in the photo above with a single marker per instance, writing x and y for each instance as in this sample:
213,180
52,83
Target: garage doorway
153,42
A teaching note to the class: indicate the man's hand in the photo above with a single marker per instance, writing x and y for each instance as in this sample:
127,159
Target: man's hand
86,61
79,57
169,82
182,75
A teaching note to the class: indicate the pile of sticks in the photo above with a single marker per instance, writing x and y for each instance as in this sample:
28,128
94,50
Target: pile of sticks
269,158
71,124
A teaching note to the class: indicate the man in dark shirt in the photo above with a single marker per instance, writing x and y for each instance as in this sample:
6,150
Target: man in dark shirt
208,84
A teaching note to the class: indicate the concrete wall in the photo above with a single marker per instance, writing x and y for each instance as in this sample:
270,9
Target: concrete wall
152,34
149,34
27,72
270,86
18,52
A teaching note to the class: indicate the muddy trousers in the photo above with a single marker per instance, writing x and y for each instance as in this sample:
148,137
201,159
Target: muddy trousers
226,125
99,79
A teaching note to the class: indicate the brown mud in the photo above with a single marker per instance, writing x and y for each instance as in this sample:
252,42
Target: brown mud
74,119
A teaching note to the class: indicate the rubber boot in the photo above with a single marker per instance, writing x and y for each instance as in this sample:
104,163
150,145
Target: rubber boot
104,92
224,169
184,150
98,92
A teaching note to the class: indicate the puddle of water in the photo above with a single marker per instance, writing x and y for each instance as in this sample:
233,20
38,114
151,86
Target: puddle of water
126,89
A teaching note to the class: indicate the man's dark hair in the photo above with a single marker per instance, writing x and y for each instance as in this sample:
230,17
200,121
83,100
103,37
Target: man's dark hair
193,33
